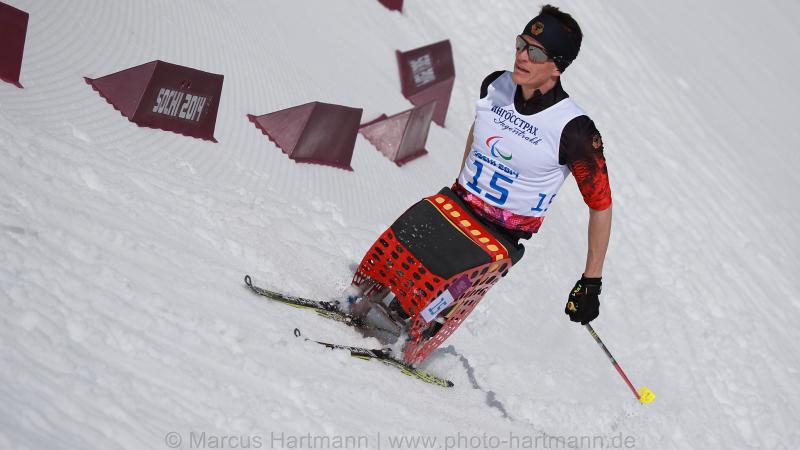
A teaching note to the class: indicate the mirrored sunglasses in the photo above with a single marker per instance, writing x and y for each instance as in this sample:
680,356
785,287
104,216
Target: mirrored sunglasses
535,54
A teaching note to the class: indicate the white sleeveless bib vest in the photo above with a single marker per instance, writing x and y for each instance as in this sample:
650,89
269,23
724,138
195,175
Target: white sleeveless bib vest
513,161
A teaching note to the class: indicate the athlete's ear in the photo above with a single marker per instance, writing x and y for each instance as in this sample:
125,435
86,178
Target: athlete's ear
556,72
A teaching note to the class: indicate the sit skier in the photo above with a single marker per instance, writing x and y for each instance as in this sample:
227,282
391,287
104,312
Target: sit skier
527,137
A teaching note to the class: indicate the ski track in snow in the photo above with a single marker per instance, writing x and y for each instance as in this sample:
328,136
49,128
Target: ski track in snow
123,315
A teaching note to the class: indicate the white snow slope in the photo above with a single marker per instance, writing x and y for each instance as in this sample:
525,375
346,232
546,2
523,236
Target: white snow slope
123,316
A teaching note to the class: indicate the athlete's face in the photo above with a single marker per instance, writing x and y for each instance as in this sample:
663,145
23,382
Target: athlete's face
532,74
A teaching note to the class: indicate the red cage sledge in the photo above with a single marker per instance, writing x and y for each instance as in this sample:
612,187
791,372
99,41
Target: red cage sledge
439,261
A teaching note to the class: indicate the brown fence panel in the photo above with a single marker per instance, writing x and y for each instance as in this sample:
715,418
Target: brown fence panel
319,133
13,28
165,96
427,75
401,137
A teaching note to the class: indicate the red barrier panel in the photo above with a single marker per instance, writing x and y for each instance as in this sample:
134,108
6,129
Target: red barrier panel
318,133
165,96
427,74
401,137
393,5
13,28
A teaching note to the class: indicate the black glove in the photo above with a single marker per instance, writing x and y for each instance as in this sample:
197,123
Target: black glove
583,304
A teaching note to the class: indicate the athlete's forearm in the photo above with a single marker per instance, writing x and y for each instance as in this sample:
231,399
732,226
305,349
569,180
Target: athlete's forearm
466,149
599,234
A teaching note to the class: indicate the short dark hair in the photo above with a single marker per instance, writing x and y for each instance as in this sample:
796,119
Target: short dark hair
567,21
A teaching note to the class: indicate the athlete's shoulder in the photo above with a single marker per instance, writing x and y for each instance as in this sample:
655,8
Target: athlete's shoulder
579,139
489,80
580,127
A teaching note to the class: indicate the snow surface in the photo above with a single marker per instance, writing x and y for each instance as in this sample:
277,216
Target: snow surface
123,316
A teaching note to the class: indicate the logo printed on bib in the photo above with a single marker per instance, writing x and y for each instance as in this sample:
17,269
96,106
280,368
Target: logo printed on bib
515,124
492,144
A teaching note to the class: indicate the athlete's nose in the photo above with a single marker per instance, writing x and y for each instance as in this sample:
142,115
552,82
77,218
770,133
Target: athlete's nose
522,56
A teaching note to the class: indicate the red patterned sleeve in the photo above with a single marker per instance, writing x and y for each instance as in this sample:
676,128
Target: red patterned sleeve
582,150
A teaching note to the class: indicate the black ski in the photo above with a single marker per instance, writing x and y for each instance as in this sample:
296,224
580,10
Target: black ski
328,310
331,310
384,356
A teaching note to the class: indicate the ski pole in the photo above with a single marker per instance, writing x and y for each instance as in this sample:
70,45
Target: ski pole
644,394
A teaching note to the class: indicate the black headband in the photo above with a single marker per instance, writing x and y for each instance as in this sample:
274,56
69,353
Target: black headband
555,38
